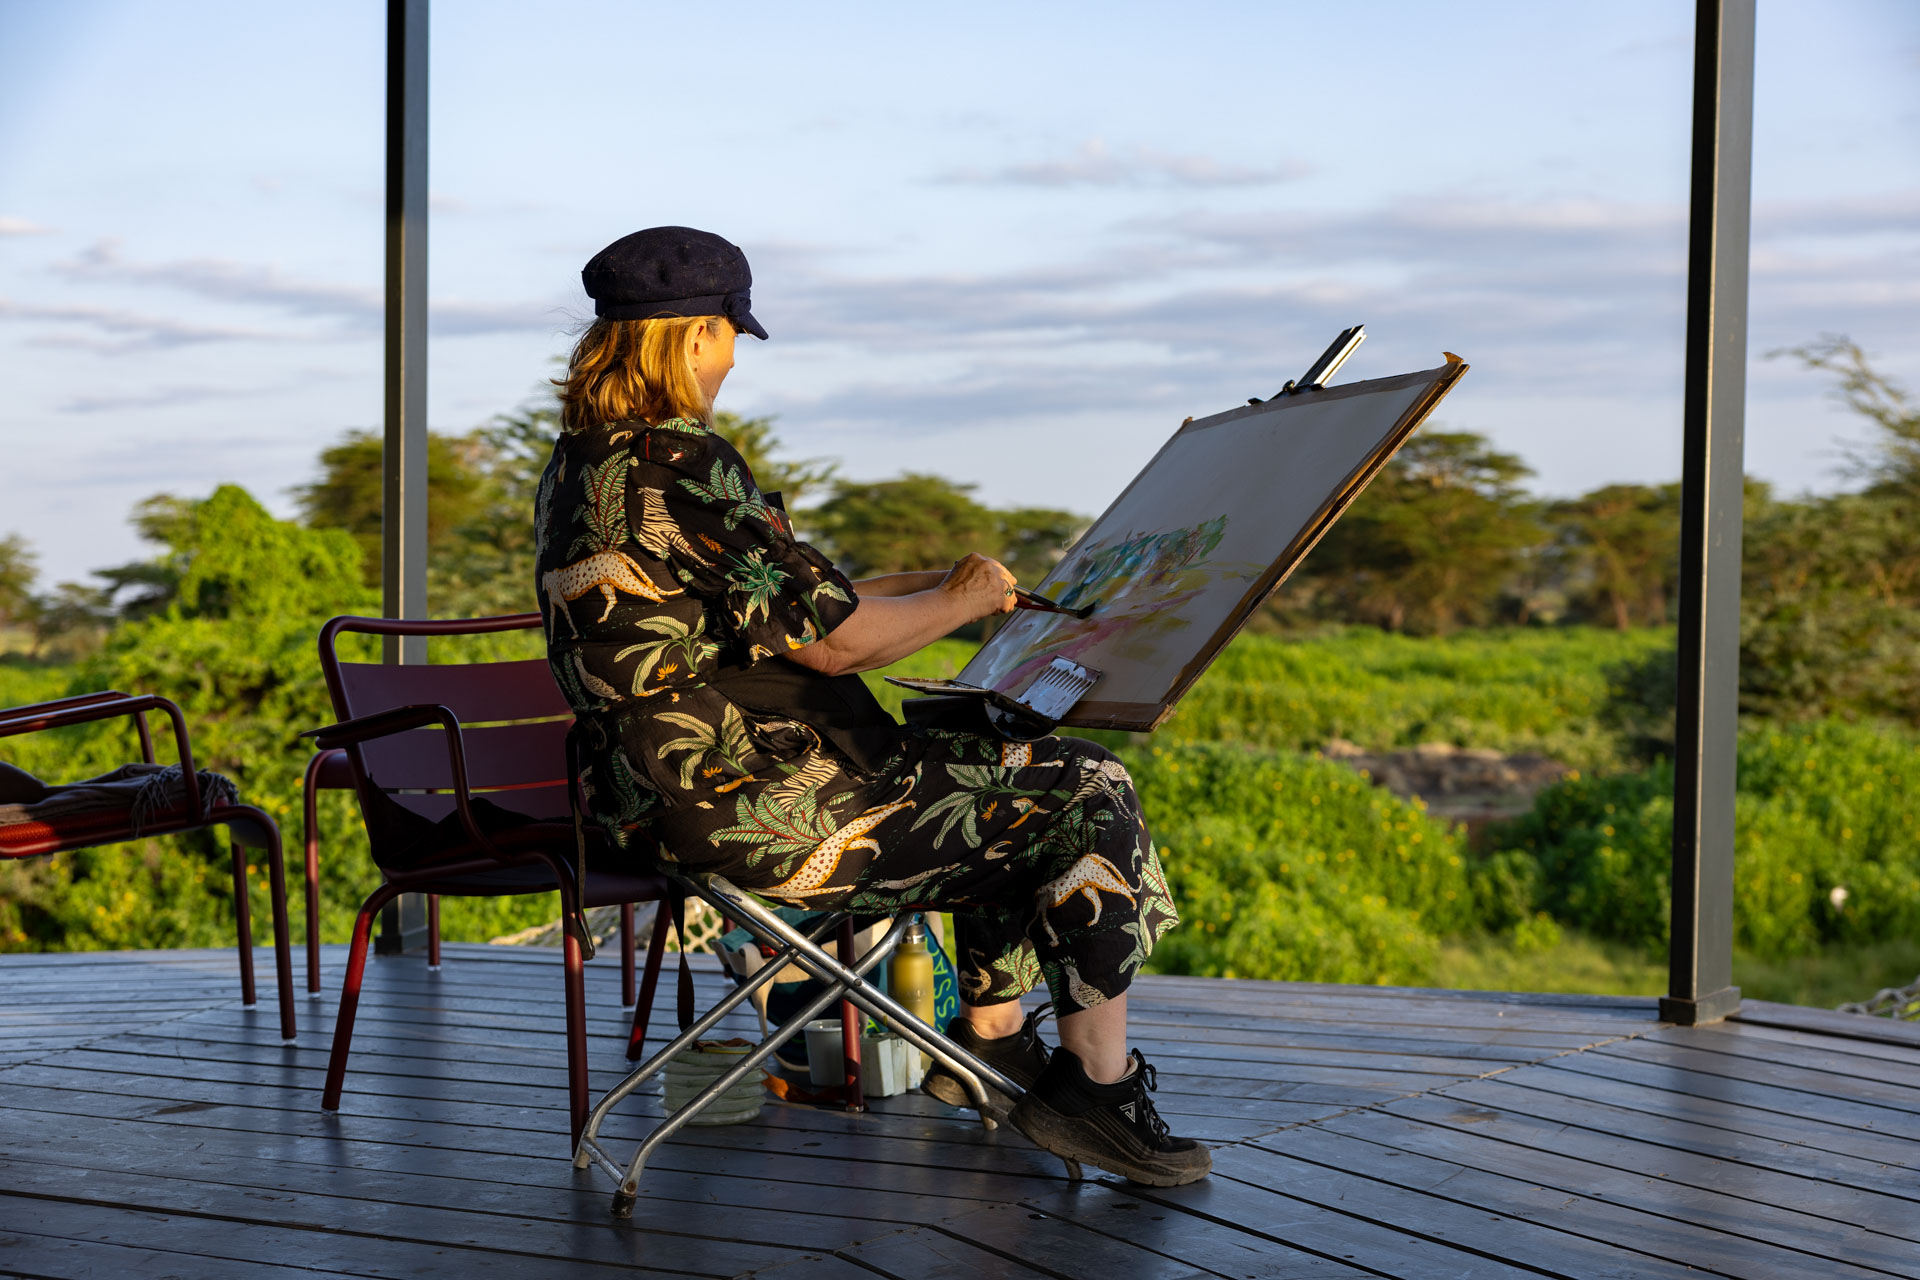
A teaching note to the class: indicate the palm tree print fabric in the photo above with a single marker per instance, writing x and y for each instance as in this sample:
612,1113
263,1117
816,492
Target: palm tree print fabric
663,571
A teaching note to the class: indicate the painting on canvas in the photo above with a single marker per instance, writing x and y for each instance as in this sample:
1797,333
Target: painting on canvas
1204,533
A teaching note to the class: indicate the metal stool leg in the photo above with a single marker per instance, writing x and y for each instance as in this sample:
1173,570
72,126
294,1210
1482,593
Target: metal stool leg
845,982
629,1189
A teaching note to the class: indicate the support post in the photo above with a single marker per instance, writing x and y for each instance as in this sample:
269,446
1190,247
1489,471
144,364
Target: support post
1700,983
403,531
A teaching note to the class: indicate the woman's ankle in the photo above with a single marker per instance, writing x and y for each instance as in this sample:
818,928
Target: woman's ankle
993,1021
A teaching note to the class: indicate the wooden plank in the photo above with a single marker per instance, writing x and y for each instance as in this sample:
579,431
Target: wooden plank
1536,1177
539,1183
551,1221
812,1266
1746,1093
841,1164
1055,1246
1819,1135
1809,1080
1794,1090
1856,1046
1237,1196
520,1101
1485,1224
1827,1022
936,1254
41,1257
1107,1207
1836,1186
1721,1114
1829,1057
345,1251
414,1076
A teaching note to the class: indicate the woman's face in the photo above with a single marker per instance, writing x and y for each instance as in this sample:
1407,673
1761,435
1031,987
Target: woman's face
712,356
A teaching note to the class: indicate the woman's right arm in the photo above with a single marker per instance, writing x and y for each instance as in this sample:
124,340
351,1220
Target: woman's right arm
884,629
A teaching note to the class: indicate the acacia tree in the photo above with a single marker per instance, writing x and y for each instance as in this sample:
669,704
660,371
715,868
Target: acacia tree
1618,552
1435,542
18,569
794,479
348,492
917,521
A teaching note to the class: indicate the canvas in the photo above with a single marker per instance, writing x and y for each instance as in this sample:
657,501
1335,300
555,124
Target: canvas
1219,517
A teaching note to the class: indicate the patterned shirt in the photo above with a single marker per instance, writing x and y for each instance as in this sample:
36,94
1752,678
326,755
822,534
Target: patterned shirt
662,568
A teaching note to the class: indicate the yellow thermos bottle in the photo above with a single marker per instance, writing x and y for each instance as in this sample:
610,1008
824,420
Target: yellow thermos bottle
910,976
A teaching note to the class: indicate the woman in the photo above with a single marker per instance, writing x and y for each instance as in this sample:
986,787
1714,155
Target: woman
711,658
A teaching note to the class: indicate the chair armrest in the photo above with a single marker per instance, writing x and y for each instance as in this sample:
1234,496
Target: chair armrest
87,708
58,704
382,724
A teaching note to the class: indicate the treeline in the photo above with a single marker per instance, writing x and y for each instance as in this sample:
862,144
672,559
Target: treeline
1447,537
480,490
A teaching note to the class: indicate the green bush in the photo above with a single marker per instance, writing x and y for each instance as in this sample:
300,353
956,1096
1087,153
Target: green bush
1515,689
236,650
1288,866
1827,842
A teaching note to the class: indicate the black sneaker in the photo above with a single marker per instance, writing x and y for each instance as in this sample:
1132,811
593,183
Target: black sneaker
1112,1126
1020,1057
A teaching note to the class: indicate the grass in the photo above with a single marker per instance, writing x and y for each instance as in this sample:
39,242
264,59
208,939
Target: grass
1576,964
1582,965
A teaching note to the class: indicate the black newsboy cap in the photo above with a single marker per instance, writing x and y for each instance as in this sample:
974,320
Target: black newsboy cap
671,271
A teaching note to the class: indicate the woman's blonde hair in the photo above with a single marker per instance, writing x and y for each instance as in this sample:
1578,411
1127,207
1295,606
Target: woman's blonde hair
622,370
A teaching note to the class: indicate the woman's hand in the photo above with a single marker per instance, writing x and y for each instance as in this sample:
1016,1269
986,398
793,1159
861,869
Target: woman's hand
980,586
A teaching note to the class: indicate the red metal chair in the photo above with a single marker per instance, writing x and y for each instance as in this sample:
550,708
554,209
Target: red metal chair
245,824
461,773
330,771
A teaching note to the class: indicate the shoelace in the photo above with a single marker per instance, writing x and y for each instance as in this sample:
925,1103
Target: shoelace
1030,1032
1149,1080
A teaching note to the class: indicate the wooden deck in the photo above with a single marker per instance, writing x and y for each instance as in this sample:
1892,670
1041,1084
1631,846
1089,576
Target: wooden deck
149,1127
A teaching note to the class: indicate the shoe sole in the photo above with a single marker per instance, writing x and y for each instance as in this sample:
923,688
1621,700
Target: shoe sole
1068,1138
948,1089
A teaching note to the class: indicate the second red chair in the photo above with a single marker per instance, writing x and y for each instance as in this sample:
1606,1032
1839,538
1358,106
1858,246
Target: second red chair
461,774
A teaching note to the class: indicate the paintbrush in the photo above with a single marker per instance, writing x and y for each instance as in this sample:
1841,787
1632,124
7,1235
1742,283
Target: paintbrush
1026,599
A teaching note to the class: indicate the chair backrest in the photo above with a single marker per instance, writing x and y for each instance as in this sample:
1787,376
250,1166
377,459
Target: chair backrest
513,721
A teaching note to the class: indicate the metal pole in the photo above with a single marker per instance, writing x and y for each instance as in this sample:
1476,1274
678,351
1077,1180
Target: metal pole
403,531
1700,983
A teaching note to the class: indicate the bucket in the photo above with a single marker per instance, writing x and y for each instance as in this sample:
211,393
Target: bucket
688,1074
823,1052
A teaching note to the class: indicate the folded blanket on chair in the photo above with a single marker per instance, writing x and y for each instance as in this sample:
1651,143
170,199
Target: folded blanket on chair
145,792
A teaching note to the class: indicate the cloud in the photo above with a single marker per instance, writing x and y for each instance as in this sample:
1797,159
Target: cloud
126,330
1571,301
357,308
1094,164
159,398
227,281
10,226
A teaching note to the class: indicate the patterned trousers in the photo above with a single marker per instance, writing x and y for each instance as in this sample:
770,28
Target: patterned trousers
1039,851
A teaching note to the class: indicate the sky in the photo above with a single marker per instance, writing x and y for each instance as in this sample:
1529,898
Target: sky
1010,244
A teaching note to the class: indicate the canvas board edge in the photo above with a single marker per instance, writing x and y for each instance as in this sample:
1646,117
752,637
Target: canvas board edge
1144,717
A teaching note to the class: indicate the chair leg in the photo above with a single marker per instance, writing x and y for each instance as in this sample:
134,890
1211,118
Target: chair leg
626,955
311,813
282,932
243,922
433,933
576,985
350,996
851,1020
643,1004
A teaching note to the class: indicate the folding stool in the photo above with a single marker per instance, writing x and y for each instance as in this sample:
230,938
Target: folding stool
843,981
